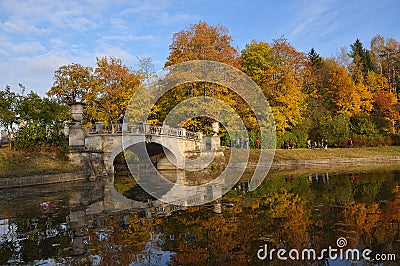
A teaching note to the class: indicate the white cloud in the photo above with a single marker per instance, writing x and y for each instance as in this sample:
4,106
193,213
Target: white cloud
126,57
128,37
146,8
9,49
20,25
168,19
318,19
35,73
35,17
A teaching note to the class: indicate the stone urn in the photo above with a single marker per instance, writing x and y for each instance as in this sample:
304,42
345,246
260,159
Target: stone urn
77,111
215,128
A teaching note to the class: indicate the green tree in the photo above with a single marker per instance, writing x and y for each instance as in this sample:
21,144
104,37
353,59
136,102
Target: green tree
9,111
363,124
362,62
42,120
335,129
315,58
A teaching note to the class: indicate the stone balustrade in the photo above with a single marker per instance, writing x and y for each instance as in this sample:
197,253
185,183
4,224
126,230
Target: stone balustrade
142,129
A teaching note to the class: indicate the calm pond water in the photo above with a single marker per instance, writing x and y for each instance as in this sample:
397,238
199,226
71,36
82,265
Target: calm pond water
86,223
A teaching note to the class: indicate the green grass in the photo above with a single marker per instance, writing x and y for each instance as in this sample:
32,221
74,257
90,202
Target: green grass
20,163
330,153
313,154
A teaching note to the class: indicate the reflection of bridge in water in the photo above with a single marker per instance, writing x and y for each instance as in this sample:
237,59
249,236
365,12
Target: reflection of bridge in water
90,202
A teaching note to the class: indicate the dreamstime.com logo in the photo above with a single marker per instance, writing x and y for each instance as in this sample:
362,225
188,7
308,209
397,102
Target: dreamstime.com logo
199,72
332,253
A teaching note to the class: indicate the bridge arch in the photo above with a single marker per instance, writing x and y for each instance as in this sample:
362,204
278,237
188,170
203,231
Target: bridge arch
156,152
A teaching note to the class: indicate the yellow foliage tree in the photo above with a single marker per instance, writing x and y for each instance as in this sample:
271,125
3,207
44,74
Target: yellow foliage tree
111,89
202,42
71,83
341,90
278,70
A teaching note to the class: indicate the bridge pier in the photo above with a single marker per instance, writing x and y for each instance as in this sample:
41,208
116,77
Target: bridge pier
76,136
90,161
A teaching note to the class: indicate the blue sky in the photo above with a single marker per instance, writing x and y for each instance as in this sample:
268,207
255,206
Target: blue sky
37,37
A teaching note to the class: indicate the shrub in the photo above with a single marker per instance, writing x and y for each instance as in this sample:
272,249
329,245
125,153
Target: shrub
34,137
363,124
298,137
336,130
371,141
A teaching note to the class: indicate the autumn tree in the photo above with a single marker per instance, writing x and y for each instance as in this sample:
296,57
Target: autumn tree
71,83
313,88
377,46
386,107
341,91
203,42
278,70
386,54
111,89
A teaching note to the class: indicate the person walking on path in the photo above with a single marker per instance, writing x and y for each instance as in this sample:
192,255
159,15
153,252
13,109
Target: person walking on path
291,144
308,144
258,143
349,143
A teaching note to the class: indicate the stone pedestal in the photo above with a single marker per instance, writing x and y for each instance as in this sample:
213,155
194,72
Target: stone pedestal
215,143
99,127
125,128
76,138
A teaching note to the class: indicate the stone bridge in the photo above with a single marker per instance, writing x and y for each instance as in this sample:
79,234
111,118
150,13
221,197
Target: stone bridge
96,149
175,143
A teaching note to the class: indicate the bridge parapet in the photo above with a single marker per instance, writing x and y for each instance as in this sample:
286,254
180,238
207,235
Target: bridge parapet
143,129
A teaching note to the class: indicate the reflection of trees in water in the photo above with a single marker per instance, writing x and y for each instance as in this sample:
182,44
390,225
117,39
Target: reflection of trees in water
123,243
35,233
290,215
283,212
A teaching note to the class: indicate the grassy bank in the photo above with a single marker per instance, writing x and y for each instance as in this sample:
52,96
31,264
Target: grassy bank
313,154
18,163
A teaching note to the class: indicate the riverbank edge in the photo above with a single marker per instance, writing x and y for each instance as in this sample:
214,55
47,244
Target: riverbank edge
35,180
333,162
330,163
